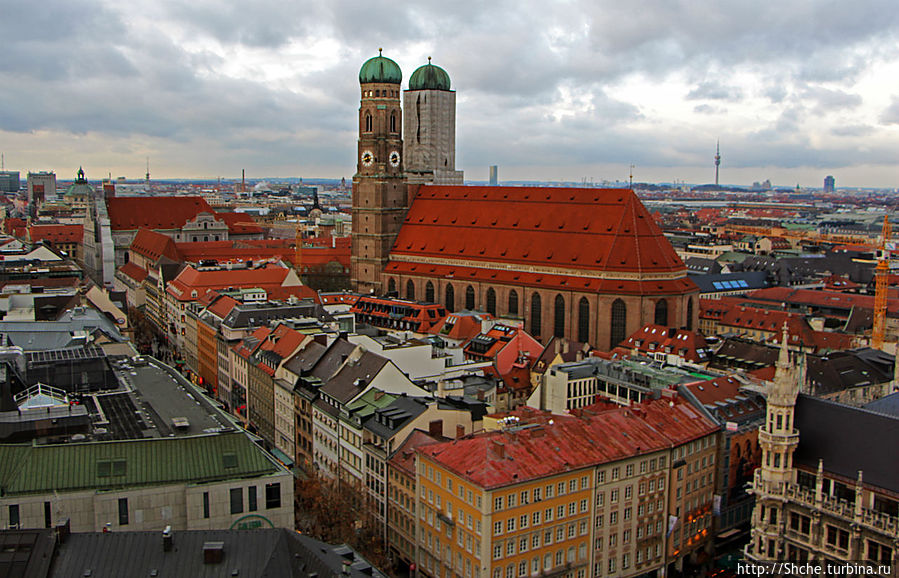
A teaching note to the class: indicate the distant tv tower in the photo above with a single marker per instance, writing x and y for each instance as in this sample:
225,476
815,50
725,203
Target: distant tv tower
148,171
717,160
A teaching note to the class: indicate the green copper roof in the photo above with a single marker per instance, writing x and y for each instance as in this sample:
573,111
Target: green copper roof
429,77
37,469
380,69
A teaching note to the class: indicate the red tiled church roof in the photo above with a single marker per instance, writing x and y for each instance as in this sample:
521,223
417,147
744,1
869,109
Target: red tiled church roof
134,271
606,233
153,245
130,213
595,229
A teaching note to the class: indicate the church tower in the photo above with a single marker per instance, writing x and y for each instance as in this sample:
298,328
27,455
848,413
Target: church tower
430,128
778,439
380,199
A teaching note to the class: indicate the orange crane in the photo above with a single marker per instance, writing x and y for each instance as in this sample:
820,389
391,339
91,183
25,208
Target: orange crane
882,272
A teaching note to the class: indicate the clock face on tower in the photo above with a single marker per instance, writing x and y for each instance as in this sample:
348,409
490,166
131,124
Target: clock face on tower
367,158
394,159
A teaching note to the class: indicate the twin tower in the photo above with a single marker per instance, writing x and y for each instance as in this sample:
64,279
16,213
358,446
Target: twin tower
388,170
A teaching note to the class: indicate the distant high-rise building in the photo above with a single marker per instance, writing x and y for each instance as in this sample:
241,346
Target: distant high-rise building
39,186
494,175
9,181
829,184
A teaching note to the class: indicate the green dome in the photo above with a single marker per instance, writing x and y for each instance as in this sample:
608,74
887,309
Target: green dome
429,77
380,69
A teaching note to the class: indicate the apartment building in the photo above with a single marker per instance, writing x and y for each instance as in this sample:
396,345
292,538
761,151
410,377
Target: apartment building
600,492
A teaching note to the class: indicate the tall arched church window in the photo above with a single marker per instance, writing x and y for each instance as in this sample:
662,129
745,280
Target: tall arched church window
618,323
513,302
536,318
429,292
469,298
410,290
583,320
391,285
661,316
690,314
559,317
491,301
367,122
393,122
450,298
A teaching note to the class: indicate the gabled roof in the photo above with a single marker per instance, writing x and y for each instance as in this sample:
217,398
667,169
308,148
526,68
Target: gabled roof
153,245
239,224
56,233
134,271
403,458
652,338
164,212
600,435
190,280
588,234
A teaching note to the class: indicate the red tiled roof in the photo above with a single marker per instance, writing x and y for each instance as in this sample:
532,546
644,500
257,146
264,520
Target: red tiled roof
239,224
56,233
581,230
153,245
222,306
13,224
459,326
404,457
189,279
823,299
135,272
658,338
600,435
338,298
131,213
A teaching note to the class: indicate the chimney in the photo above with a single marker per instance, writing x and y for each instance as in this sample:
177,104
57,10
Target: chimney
579,356
168,539
460,430
435,428
556,346
213,552
564,346
63,529
499,447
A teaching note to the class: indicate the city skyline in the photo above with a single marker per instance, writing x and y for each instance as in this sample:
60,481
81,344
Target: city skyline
794,92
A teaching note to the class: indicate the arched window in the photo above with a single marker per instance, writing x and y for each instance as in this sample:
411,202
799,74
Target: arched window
469,298
583,320
559,317
513,302
367,122
393,122
410,290
690,314
429,292
450,298
618,323
536,319
391,285
661,317
491,301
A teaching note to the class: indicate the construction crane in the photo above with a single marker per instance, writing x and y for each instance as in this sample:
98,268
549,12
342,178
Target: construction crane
882,283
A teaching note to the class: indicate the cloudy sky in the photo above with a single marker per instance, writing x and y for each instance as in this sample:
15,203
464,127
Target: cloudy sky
558,90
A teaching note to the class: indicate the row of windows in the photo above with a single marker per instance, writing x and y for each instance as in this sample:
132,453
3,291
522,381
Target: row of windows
644,467
532,542
525,497
549,561
534,518
272,499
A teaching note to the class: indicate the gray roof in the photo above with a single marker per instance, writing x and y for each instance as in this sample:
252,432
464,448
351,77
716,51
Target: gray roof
270,553
744,281
844,437
261,314
387,421
59,334
888,405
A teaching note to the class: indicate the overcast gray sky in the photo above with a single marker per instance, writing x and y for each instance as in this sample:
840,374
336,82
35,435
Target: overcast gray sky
549,90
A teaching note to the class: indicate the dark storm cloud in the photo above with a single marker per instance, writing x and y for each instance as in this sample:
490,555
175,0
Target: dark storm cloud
535,81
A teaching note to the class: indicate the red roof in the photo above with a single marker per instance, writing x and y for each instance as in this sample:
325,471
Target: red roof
339,298
657,338
240,224
135,272
153,245
131,213
189,280
222,306
12,224
821,299
598,435
587,233
460,326
56,233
